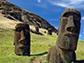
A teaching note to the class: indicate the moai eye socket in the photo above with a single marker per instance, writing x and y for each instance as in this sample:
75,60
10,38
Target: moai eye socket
19,29
23,42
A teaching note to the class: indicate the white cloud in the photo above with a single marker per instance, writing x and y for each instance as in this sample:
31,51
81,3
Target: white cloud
42,5
82,18
39,1
80,35
83,32
68,3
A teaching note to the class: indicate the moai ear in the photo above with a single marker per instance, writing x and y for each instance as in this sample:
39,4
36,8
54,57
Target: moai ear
58,31
14,41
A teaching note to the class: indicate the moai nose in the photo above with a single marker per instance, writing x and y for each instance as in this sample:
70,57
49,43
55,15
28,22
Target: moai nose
23,37
71,25
71,21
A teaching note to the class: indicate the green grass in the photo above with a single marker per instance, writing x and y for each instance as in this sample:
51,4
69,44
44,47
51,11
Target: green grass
39,47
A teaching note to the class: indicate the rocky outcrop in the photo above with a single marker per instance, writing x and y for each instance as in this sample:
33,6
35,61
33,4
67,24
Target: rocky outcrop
16,13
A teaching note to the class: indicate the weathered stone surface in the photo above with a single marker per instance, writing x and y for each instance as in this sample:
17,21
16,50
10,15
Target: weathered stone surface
69,29
22,39
57,55
68,33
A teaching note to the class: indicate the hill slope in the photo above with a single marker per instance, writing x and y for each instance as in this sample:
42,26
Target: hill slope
7,23
14,12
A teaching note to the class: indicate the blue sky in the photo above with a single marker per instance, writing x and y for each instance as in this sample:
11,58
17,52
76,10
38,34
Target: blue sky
51,10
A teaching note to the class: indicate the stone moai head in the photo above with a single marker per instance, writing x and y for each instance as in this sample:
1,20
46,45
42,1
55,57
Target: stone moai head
22,39
69,28
50,31
37,29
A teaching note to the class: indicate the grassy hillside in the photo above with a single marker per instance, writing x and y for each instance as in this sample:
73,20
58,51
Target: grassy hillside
39,48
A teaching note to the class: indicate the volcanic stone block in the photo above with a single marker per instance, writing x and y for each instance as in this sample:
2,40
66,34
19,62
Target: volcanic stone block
22,39
68,33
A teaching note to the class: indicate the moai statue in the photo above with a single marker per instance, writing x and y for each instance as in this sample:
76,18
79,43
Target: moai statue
68,33
18,16
50,31
24,18
37,29
22,39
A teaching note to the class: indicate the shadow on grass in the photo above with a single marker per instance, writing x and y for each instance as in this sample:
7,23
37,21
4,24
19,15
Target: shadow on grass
79,61
40,54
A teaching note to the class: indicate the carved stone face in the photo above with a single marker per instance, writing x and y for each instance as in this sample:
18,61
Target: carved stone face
68,32
22,39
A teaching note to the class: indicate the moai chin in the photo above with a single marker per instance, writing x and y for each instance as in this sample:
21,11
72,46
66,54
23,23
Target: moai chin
22,39
68,33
